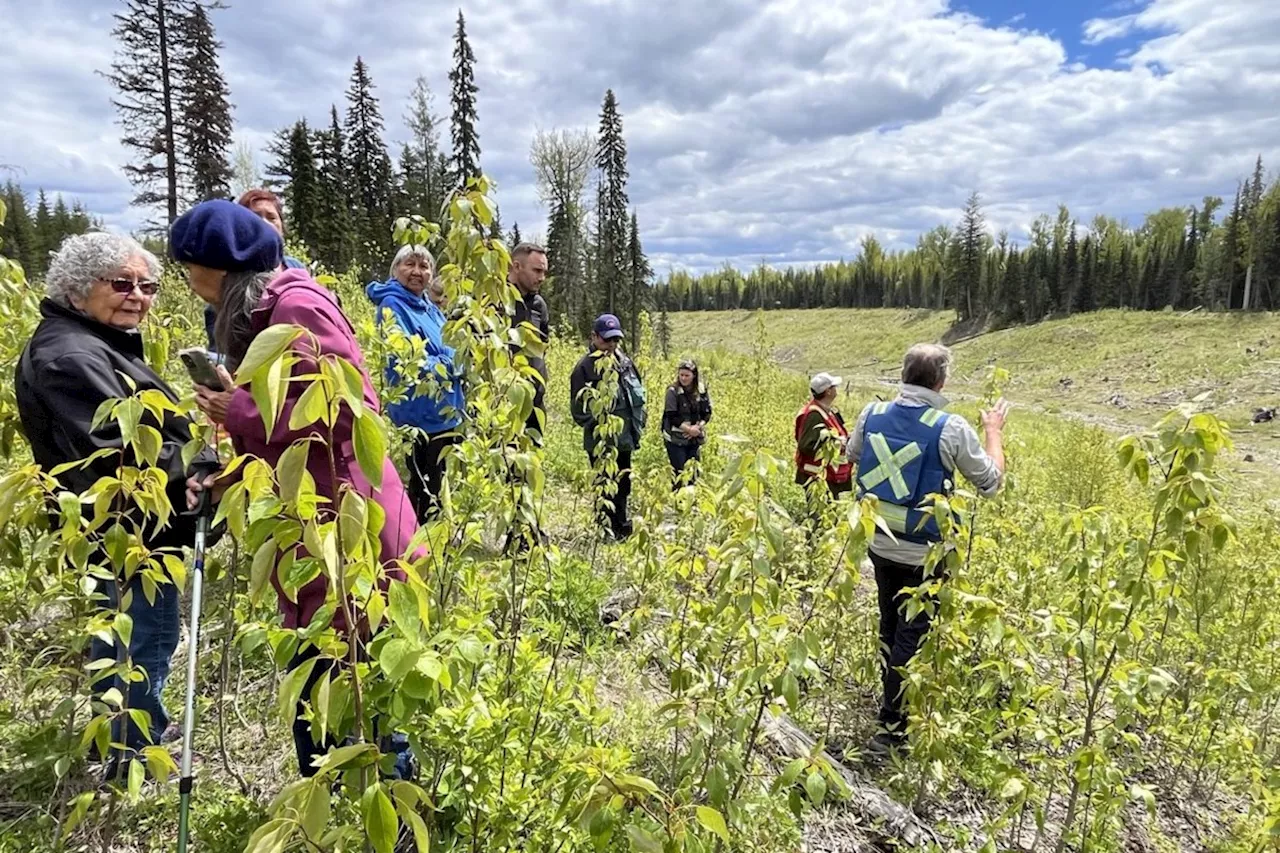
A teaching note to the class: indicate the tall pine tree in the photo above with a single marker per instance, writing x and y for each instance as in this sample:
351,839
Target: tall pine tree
333,199
145,73
462,125
611,207
640,274
369,170
424,182
204,120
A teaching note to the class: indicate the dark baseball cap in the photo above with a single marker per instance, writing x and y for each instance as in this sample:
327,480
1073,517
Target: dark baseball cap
607,327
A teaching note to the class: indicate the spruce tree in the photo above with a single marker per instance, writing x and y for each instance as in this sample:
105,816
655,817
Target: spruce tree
513,238
333,201
968,247
640,274
46,237
145,74
463,119
369,170
611,210
204,120
301,196
19,233
420,157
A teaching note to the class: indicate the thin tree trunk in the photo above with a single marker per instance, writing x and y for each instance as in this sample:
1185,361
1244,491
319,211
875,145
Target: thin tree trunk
166,84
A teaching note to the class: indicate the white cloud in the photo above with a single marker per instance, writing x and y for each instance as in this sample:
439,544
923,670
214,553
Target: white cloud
783,130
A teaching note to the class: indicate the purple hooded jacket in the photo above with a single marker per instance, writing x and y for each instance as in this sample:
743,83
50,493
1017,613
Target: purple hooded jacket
294,297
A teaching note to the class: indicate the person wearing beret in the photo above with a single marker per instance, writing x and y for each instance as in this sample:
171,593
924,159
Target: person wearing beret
265,204
232,259
87,350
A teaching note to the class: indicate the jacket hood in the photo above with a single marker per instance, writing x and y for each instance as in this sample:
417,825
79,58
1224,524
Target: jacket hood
381,291
289,280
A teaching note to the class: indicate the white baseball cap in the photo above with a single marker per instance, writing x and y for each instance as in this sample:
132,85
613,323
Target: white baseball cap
822,382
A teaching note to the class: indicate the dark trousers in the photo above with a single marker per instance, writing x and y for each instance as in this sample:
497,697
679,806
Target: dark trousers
306,746
426,471
900,637
156,626
681,455
616,517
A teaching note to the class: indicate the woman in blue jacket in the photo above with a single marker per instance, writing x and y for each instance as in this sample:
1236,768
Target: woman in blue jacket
433,402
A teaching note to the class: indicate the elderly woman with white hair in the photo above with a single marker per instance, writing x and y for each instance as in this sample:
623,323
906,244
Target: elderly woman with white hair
433,404
99,289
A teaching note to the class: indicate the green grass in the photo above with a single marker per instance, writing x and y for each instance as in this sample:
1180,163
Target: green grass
1121,369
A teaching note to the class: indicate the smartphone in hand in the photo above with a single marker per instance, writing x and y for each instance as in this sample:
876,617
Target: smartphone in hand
201,368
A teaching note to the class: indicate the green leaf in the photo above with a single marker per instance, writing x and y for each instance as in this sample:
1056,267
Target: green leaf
260,572
271,837
292,468
291,689
471,650
816,788
714,821
380,824
137,775
642,841
404,609
371,447
791,691
123,626
266,348
398,656
311,407
79,808
1012,789
160,763
313,810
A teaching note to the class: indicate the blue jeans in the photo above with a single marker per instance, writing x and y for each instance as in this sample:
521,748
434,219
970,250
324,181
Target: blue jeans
155,636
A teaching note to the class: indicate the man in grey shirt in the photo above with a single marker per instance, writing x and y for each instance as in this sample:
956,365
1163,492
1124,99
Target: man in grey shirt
905,451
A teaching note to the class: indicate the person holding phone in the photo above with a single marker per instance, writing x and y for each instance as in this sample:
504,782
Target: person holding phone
232,259
99,289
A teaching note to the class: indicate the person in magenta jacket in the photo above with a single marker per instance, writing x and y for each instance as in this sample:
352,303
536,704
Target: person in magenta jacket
233,259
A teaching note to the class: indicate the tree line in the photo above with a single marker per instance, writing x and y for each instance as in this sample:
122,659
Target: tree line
34,228
342,188
1179,257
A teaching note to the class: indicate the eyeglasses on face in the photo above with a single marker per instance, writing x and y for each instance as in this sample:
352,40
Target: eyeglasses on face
126,285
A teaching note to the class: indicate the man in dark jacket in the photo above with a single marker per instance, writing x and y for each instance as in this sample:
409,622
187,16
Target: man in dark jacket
100,287
527,272
628,404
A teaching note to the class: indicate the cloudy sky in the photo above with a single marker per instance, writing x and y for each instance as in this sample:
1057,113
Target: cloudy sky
780,131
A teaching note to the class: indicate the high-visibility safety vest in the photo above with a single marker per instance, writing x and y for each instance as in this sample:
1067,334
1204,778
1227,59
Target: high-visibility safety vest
901,464
842,471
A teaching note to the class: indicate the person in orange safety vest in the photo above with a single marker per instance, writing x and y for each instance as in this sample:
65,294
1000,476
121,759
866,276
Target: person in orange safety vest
819,428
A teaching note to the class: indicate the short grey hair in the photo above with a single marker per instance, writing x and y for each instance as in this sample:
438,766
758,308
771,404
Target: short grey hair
524,250
83,259
409,250
926,365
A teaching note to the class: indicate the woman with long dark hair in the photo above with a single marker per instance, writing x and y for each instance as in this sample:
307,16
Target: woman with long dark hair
685,414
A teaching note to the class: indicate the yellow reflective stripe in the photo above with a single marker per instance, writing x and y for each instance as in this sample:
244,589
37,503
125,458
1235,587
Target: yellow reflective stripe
811,469
895,517
891,464
879,408
930,417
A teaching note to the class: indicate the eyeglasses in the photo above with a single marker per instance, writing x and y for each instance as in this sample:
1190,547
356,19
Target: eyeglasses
126,285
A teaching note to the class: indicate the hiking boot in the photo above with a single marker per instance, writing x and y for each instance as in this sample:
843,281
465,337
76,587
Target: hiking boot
171,734
885,745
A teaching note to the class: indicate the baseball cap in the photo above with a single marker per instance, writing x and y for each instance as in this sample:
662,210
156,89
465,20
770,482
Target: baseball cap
820,383
607,327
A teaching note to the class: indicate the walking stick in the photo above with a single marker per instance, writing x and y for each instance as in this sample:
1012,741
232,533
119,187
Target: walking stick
186,779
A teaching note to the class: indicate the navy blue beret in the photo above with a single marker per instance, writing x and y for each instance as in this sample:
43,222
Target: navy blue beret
224,236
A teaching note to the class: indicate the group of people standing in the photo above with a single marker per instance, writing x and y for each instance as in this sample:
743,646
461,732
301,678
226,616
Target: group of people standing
88,348
903,451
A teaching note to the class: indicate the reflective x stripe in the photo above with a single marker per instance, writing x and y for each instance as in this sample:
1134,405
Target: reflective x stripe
895,517
890,467
930,417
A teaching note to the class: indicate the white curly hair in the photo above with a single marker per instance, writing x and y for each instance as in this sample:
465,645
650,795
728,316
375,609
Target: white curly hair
83,259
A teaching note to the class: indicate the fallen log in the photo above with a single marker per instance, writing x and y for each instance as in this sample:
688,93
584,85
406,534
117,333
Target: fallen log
884,814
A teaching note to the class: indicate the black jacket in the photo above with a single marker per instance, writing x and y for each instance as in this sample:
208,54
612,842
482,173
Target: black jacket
67,370
628,402
533,310
681,407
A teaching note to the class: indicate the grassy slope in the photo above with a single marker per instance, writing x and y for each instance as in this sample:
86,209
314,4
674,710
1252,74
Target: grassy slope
1076,366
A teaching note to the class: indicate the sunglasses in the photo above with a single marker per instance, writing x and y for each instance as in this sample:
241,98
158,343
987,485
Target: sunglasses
126,285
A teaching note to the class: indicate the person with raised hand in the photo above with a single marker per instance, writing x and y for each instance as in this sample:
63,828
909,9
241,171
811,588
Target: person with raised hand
907,450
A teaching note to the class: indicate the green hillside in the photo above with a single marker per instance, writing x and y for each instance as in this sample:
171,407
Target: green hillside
1121,369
